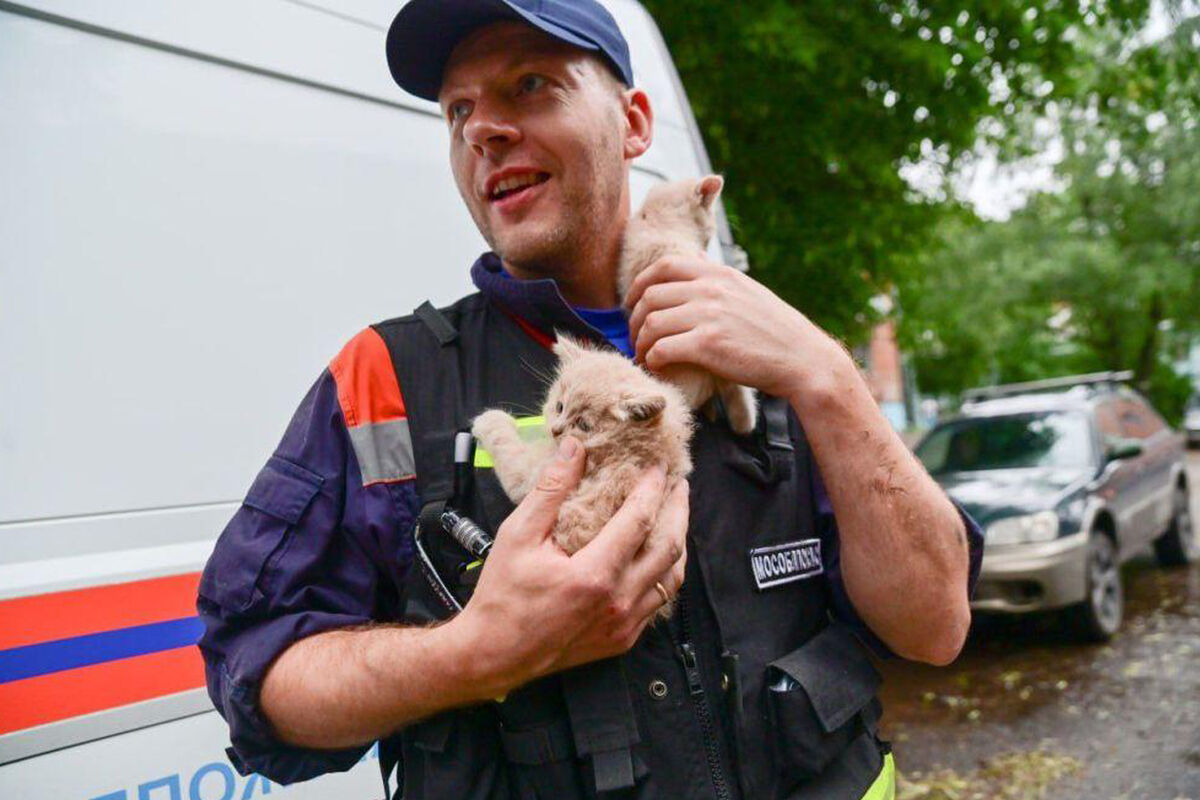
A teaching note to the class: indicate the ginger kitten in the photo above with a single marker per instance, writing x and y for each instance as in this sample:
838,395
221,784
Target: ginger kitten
677,218
626,420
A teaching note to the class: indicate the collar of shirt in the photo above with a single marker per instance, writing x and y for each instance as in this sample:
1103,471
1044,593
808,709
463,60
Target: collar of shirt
611,322
540,303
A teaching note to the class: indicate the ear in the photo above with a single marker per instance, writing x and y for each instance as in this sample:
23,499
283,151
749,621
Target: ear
644,409
639,122
567,349
708,189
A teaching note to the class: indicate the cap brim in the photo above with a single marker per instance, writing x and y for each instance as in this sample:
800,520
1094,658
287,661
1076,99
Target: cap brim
425,32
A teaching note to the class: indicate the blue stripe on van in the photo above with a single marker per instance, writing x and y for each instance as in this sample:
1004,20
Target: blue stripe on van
95,648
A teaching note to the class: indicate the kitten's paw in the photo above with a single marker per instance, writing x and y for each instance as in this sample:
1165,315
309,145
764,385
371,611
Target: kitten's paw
742,409
492,426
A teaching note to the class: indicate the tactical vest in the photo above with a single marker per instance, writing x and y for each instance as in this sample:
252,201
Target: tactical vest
748,691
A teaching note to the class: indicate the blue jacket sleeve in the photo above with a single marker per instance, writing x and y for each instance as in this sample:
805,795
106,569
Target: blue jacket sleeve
310,549
843,608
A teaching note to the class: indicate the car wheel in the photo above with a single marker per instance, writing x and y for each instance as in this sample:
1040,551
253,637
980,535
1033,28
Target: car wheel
1098,617
1177,546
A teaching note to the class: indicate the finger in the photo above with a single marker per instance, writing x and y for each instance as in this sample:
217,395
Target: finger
534,518
677,574
623,535
686,347
658,296
647,605
665,269
650,601
666,548
667,322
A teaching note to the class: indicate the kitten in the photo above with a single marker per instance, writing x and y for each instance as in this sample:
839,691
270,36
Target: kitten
677,219
627,421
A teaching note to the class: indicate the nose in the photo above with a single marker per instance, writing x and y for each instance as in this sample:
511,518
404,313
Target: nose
557,430
490,129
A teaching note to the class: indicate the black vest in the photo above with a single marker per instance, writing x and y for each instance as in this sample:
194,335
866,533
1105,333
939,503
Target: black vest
748,691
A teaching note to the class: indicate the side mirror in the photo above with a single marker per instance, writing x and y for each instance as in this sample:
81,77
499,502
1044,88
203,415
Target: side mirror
1117,448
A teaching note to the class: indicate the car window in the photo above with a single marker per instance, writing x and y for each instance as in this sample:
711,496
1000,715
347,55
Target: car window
1047,439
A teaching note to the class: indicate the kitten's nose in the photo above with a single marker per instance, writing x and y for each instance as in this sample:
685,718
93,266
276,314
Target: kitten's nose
557,430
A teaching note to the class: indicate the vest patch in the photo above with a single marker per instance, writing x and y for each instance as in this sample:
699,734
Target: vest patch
785,563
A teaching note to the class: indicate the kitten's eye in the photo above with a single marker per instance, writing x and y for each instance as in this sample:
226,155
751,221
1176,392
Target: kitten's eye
559,407
583,425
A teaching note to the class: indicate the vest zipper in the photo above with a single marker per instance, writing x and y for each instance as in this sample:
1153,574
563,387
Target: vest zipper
691,668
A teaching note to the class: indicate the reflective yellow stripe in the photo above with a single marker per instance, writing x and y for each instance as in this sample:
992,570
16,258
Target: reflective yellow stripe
529,427
884,787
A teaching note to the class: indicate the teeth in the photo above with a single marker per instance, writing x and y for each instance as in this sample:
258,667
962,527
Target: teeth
516,182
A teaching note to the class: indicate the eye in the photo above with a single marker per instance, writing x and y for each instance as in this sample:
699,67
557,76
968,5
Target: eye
530,83
559,407
583,425
457,110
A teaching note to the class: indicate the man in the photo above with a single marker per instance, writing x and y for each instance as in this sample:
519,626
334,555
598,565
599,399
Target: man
551,682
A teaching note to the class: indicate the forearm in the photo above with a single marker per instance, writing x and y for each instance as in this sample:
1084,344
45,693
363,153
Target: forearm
904,555
535,610
348,687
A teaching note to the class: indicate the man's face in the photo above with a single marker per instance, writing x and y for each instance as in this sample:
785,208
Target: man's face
537,144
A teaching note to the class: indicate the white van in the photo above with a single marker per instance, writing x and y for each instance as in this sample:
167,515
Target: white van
200,202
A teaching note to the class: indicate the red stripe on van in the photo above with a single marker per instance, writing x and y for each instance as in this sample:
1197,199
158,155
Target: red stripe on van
62,615
61,695
366,381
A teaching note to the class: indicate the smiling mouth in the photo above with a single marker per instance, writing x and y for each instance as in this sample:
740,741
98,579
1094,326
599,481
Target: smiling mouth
510,187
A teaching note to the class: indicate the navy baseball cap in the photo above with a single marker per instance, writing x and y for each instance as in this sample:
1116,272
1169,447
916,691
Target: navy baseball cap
424,33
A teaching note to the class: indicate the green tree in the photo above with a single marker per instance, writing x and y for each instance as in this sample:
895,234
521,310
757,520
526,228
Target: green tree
809,109
1102,275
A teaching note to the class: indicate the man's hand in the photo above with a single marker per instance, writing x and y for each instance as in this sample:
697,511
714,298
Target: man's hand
537,610
900,536
691,310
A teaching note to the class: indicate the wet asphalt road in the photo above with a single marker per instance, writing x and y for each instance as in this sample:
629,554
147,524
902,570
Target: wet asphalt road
1026,713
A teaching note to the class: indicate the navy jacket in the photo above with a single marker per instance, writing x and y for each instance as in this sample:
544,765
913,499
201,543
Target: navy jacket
316,545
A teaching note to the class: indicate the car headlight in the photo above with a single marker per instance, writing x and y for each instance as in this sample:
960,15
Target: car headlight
1028,528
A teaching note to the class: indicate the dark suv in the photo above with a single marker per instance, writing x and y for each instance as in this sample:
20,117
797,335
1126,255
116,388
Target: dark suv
1069,478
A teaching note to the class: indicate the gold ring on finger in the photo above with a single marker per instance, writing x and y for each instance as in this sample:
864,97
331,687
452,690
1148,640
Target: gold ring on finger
662,592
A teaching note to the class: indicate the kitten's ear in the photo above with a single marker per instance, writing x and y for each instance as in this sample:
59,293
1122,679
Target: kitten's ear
644,409
708,189
567,348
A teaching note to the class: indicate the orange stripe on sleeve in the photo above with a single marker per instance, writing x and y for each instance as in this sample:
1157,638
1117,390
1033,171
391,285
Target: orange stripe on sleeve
366,381
60,615
61,695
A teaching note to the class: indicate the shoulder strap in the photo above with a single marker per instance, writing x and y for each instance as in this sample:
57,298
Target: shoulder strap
437,323
428,373
780,450
429,366
426,356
